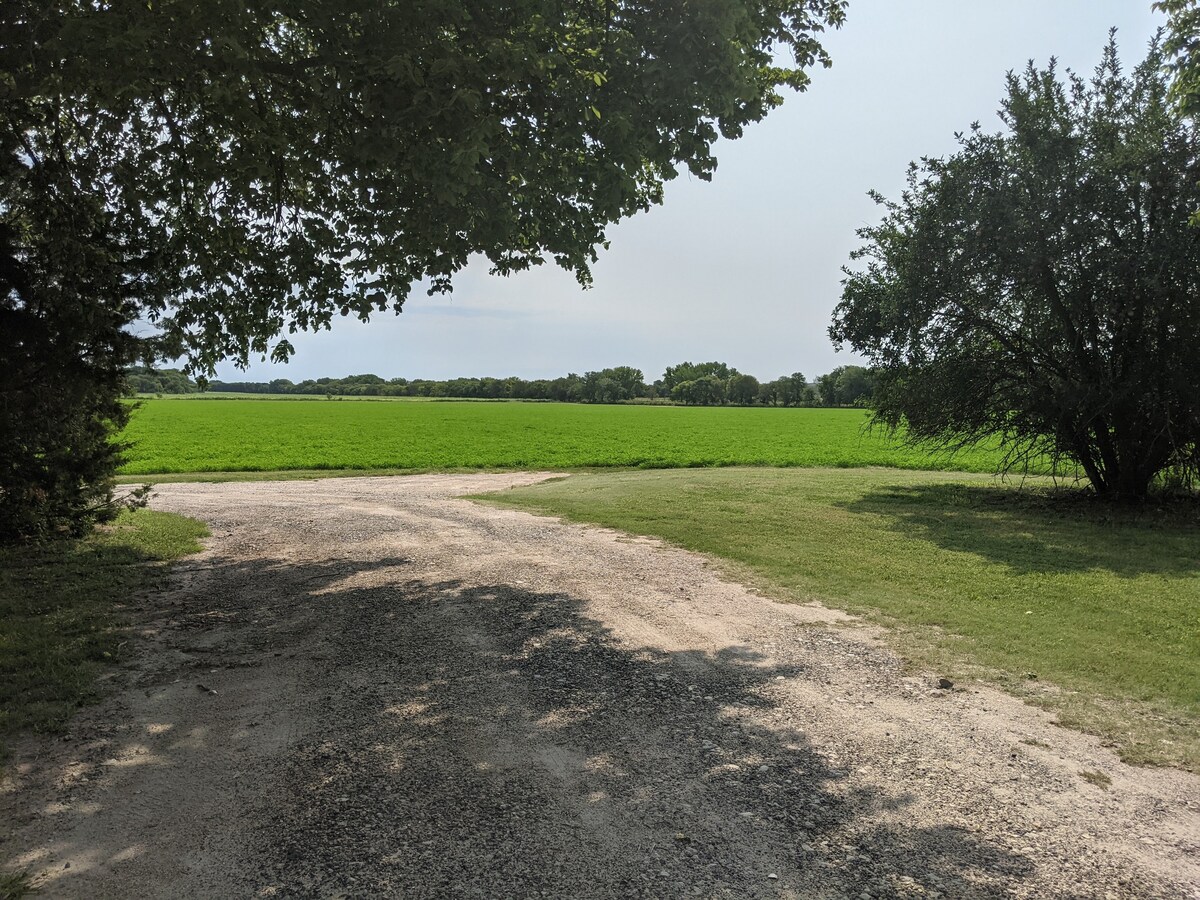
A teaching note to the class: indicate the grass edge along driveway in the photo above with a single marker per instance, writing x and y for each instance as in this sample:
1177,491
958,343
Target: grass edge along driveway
1091,612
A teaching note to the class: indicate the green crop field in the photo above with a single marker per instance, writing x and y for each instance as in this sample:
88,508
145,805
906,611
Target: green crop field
176,436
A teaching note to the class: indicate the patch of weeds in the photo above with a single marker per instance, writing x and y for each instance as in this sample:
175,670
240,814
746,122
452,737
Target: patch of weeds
60,612
1034,742
14,885
1097,778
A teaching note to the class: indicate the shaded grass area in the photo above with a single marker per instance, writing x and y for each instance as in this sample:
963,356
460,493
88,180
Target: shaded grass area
60,612
1089,610
169,436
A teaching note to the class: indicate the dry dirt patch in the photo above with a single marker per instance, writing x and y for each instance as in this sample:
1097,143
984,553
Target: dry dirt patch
367,687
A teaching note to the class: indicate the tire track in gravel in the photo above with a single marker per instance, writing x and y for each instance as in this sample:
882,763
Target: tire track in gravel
411,695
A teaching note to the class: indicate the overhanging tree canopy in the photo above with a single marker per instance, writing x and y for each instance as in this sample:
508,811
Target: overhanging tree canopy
265,169
1043,284
232,170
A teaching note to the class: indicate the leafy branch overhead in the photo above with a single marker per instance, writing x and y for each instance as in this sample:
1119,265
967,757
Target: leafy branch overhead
263,171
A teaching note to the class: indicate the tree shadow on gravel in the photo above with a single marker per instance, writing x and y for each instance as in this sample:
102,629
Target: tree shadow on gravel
1042,531
487,741
496,742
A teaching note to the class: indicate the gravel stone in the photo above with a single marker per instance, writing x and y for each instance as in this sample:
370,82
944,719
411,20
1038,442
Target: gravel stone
407,694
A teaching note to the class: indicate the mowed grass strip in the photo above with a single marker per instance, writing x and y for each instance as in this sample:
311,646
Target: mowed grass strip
173,436
60,612
1092,612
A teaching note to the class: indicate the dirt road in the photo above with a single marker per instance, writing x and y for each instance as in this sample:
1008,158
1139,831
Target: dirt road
365,687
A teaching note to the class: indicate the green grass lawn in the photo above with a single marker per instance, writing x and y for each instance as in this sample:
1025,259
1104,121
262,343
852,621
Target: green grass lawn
174,436
1093,613
60,612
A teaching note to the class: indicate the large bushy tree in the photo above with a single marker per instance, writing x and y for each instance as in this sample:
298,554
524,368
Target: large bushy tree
689,371
1042,284
707,390
227,171
613,385
788,390
846,386
743,389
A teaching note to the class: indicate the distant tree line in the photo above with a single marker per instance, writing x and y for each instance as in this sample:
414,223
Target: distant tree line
688,384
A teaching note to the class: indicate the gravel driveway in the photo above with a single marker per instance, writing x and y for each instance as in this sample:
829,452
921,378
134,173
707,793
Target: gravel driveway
365,687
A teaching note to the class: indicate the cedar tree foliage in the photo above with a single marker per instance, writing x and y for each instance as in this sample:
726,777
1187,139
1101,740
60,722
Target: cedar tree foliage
1040,285
220,173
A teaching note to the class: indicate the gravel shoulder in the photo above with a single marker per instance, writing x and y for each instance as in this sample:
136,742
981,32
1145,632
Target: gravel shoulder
366,687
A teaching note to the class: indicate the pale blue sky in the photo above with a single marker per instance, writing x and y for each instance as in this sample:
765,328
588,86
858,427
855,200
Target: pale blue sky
745,269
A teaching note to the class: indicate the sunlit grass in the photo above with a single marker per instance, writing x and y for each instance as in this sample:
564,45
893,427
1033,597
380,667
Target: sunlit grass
1092,611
